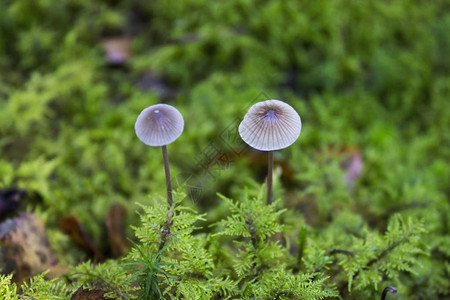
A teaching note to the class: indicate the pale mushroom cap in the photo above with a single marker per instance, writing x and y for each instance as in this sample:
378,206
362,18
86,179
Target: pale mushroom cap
159,125
270,125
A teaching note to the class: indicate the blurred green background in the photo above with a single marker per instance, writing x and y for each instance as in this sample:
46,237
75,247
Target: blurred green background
370,80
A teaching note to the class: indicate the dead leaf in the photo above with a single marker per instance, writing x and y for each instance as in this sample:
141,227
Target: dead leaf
25,250
117,50
87,294
71,226
352,163
116,229
349,159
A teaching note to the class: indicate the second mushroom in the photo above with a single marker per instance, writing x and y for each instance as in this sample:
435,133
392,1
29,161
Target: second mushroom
268,126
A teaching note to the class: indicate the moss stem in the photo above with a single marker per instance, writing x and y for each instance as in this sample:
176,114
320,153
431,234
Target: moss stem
168,180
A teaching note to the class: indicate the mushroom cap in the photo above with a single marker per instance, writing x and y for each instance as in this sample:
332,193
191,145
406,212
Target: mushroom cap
159,125
270,125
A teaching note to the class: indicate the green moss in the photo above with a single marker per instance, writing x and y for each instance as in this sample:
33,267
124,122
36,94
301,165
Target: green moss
371,76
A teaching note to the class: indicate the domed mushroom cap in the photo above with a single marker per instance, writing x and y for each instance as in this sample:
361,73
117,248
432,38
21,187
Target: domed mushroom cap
270,125
159,125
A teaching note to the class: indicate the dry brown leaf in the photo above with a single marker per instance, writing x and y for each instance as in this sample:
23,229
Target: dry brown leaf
117,50
72,226
116,229
87,294
350,160
353,164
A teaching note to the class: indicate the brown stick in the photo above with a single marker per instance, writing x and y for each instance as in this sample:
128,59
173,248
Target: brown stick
168,180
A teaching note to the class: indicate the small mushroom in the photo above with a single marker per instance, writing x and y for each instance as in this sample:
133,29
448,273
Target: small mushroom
160,125
270,125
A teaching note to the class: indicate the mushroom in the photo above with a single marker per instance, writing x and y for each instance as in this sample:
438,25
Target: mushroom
160,125
268,126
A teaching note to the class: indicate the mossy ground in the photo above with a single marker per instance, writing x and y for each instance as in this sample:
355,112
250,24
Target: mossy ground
369,79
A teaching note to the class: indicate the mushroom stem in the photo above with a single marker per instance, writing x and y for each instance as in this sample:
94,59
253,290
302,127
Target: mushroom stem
167,171
269,177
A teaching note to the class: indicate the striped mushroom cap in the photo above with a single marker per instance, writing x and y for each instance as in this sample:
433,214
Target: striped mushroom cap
159,125
270,125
